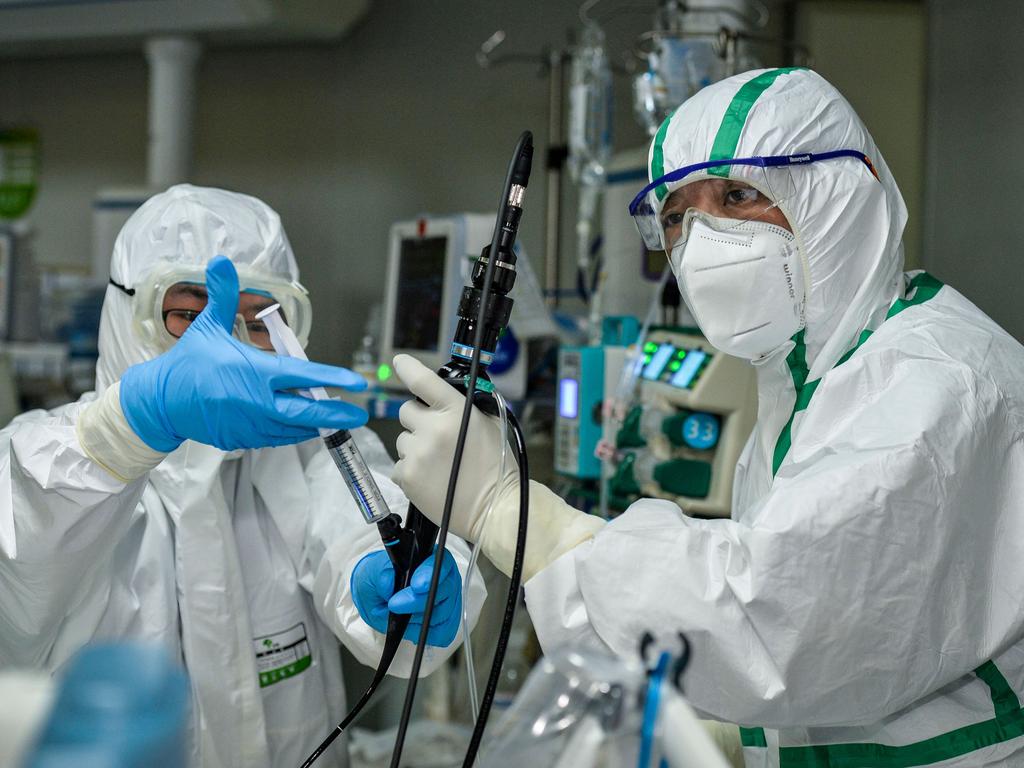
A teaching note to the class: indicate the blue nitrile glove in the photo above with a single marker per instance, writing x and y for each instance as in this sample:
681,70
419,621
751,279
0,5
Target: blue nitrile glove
212,388
373,591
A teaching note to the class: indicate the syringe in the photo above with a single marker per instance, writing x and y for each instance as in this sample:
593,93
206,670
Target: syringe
339,443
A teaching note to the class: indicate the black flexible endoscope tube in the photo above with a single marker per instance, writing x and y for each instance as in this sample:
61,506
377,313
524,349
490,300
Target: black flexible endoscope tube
382,669
524,145
513,592
400,548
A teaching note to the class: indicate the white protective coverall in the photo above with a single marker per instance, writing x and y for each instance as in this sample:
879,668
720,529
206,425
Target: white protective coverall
216,555
863,605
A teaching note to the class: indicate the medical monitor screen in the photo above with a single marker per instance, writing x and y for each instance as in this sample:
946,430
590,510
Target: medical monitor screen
568,398
658,362
419,293
686,373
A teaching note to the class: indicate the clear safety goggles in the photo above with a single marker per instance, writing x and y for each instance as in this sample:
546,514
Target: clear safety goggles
743,189
168,301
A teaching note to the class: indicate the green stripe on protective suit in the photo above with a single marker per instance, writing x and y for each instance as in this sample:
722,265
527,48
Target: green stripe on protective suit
946,747
753,737
728,133
1008,724
658,156
735,118
921,288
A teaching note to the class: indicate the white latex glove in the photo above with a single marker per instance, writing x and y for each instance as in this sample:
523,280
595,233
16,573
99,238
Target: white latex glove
425,459
726,738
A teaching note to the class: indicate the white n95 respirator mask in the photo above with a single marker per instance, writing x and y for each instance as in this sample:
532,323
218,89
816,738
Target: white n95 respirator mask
742,280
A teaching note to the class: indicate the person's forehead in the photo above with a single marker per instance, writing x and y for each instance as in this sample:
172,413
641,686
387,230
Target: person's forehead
195,290
252,299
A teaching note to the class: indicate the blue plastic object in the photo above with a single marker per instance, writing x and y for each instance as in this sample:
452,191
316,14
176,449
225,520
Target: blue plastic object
212,388
505,353
119,706
373,591
700,431
652,703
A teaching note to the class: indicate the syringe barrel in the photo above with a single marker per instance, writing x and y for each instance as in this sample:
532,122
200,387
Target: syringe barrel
339,444
357,475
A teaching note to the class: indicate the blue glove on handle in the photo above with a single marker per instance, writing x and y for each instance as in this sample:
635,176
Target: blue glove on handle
373,590
212,388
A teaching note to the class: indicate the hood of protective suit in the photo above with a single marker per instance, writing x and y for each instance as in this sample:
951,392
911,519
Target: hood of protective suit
186,225
847,222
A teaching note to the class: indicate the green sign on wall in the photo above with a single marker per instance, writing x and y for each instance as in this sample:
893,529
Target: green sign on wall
19,167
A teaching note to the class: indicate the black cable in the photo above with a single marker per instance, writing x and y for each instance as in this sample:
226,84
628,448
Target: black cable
391,643
460,444
513,592
378,676
400,549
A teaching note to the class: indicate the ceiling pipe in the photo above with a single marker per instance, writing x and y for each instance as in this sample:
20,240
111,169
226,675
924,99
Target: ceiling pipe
172,109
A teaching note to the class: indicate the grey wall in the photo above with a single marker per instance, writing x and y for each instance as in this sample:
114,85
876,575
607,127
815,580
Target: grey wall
973,234
873,51
394,120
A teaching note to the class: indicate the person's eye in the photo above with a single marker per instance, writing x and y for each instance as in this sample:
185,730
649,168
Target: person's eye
670,220
189,314
742,196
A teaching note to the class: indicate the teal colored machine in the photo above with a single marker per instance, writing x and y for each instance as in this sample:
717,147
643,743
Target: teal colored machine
578,423
582,379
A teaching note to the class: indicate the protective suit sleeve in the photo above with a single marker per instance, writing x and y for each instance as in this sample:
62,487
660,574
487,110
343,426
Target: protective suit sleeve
854,588
339,538
108,439
61,516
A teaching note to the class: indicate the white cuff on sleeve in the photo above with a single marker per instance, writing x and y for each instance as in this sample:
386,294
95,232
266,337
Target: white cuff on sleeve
106,437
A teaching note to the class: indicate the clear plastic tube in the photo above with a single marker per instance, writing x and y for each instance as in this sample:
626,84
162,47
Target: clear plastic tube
474,703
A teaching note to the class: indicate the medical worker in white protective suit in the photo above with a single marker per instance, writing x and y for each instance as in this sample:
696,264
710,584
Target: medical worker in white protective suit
863,605
245,564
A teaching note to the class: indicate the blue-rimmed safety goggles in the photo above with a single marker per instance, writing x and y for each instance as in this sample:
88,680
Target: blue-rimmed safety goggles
769,174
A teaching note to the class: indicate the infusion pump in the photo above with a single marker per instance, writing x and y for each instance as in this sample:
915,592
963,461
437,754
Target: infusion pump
696,410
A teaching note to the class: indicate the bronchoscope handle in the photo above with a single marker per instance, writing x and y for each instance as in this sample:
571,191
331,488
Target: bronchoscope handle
410,545
407,546
456,373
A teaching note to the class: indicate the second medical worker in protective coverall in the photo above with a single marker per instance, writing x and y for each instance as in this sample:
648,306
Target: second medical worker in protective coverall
137,512
862,606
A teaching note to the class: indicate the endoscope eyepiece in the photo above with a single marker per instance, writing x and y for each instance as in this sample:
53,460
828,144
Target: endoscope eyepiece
524,163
